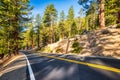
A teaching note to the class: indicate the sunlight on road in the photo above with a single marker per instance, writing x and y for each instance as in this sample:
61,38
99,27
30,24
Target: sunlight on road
61,73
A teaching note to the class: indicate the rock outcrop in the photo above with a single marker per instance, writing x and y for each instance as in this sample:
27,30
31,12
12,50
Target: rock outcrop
105,42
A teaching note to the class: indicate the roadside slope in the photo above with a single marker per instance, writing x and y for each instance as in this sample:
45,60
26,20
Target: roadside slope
103,42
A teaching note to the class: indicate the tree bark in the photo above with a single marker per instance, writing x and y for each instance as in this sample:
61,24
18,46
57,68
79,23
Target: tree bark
27,46
16,31
16,42
80,25
52,32
16,35
101,13
32,43
38,37
118,17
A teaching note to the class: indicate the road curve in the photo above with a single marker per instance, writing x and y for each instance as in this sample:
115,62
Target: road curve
45,68
67,67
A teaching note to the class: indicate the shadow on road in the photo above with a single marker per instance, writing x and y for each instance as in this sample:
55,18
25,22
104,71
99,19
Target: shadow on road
51,69
17,70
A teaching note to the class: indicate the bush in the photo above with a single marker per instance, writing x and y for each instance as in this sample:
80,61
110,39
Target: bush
118,26
46,49
75,44
77,50
60,50
77,47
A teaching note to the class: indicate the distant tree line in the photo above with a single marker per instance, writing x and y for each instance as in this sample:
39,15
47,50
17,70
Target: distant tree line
94,14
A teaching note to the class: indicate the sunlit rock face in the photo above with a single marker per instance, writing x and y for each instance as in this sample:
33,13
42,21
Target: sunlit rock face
103,42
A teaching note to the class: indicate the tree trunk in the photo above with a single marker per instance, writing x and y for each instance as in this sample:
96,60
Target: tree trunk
16,31
16,42
52,32
80,25
101,13
16,35
118,17
38,37
27,46
32,42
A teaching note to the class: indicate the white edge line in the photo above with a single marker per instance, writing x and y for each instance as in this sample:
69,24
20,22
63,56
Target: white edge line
32,77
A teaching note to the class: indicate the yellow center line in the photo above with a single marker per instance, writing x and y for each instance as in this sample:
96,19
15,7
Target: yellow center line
87,64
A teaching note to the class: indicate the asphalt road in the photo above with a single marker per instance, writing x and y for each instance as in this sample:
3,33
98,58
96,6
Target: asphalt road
62,68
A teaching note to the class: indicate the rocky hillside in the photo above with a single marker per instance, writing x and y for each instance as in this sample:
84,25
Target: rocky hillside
105,42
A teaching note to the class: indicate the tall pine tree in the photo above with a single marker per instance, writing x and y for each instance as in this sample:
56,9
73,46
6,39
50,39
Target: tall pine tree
13,16
49,19
86,4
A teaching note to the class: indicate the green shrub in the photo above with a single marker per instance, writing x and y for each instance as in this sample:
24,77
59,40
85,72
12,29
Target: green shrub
46,49
118,26
77,47
77,50
59,50
75,44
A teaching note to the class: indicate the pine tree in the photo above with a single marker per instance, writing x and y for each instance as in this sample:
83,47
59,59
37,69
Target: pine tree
71,14
62,16
12,18
49,19
50,15
72,25
61,25
81,12
73,29
20,10
31,35
112,10
86,5
38,25
91,15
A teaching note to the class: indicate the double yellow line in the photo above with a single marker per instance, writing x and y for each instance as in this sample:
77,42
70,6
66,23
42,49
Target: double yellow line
86,63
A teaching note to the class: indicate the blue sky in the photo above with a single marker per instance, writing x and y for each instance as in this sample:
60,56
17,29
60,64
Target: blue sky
40,5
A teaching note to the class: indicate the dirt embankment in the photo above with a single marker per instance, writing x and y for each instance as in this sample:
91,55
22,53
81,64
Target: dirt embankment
7,60
105,42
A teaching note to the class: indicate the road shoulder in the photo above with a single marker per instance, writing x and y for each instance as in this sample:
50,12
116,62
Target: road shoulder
15,69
